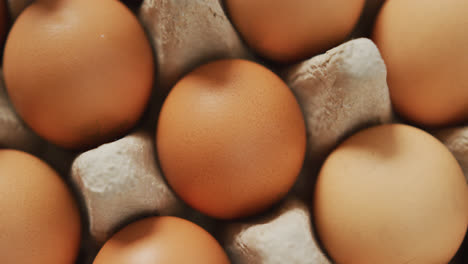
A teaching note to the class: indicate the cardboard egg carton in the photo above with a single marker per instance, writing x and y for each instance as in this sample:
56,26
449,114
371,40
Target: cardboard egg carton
340,92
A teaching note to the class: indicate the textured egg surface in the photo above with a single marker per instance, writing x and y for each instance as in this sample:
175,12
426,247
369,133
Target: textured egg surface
231,138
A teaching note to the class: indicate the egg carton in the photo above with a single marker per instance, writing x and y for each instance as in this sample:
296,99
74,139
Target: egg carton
340,92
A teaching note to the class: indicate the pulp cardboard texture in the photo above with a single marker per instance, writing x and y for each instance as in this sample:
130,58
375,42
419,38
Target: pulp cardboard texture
283,236
186,33
340,92
120,180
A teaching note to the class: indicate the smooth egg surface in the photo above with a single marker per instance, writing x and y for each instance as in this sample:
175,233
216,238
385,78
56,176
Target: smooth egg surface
40,221
425,47
288,31
79,72
157,240
391,194
231,138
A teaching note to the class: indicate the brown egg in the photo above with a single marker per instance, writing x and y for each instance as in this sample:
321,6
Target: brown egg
425,47
391,194
231,138
40,222
287,31
161,240
79,72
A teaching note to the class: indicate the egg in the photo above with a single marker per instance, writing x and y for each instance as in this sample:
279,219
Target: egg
161,240
40,221
79,72
391,194
231,138
288,31
425,47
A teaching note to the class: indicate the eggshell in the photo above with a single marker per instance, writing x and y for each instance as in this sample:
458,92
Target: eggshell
286,31
425,47
79,72
161,240
391,194
40,222
231,138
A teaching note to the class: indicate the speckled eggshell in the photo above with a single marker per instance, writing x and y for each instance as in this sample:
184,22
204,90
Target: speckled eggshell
79,72
231,138
391,194
40,221
286,31
425,47
162,239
